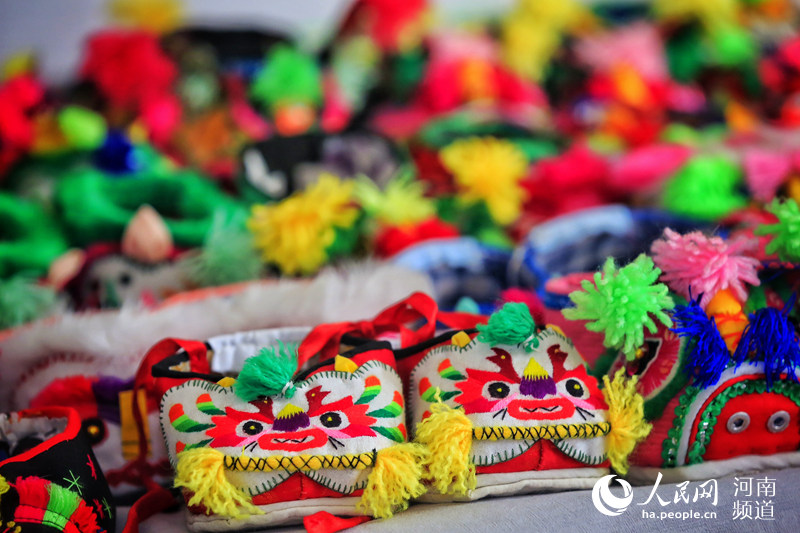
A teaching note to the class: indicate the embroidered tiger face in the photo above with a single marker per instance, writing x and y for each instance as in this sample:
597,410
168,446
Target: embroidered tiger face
506,386
331,414
312,421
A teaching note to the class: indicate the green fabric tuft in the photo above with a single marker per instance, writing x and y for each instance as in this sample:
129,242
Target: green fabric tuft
289,76
227,256
786,232
267,373
512,324
620,301
63,502
705,188
22,300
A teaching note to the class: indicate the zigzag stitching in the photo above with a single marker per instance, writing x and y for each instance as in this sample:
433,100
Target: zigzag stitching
556,432
358,461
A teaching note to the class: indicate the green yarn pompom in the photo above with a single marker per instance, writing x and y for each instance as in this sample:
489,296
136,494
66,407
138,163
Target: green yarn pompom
268,373
227,256
706,188
84,129
512,324
620,302
289,76
22,301
786,232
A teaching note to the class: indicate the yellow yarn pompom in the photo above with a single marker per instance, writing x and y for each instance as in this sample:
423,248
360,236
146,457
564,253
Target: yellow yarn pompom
402,200
202,472
626,415
489,170
447,433
159,16
295,233
394,480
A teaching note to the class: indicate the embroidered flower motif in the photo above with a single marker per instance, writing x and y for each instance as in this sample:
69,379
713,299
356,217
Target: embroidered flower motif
297,233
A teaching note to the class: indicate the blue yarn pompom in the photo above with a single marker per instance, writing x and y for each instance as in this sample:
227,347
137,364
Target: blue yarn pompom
708,356
771,337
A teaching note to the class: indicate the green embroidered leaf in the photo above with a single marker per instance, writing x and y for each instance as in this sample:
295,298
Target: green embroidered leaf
390,433
390,411
184,424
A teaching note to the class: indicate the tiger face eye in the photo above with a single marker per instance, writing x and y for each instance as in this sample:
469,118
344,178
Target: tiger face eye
331,420
499,390
574,388
251,427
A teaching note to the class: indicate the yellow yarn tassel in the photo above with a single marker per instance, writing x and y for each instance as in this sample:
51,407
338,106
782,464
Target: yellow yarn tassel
447,433
202,471
395,479
626,415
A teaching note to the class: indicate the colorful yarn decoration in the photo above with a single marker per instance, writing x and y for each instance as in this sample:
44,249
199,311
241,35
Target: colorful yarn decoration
626,415
705,188
395,479
620,302
707,356
158,16
512,324
697,264
129,67
785,232
297,233
268,374
201,471
771,337
765,171
23,300
53,506
401,202
289,76
447,433
84,129
489,170
228,255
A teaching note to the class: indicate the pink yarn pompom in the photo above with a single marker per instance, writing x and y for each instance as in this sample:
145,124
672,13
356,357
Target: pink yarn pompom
704,265
638,45
645,168
765,171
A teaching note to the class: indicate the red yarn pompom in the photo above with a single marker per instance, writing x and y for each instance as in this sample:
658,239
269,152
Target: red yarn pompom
128,67
393,240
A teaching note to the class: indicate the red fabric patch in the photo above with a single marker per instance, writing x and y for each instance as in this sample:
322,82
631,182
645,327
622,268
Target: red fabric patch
299,487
